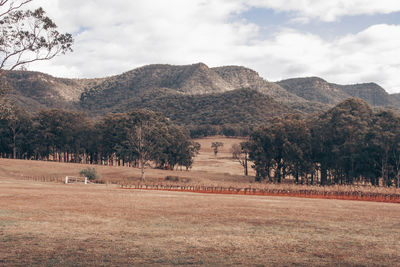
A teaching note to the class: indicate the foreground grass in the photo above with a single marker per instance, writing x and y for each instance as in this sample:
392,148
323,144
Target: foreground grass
76,225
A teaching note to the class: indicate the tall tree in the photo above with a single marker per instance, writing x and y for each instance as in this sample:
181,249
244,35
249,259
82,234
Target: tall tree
297,147
27,36
113,130
145,137
16,124
180,150
240,152
383,145
338,139
215,146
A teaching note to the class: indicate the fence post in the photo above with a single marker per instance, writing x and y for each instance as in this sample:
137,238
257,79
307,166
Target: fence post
66,179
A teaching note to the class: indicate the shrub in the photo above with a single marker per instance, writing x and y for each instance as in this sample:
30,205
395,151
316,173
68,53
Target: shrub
172,178
89,173
177,179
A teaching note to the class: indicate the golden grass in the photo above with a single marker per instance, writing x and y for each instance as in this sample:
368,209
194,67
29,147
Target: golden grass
102,225
223,162
46,224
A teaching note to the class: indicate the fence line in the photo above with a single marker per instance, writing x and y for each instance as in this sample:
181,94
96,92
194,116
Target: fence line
287,192
303,193
47,179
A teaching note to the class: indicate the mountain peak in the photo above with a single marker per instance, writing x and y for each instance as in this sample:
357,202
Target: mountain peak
201,65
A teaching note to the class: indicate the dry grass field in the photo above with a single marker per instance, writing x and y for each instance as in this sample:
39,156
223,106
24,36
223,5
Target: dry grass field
49,224
223,162
53,224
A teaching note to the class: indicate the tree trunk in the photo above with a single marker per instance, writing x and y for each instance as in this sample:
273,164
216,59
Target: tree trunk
323,174
14,144
246,171
142,177
14,150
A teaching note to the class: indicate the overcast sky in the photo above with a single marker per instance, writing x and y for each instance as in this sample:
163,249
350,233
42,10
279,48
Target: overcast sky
341,41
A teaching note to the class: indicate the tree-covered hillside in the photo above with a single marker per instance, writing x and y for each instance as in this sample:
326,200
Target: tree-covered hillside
244,106
191,94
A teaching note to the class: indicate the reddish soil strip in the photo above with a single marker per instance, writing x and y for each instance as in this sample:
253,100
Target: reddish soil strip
323,195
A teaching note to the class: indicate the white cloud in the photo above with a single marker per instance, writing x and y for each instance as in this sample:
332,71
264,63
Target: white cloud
112,37
368,56
116,36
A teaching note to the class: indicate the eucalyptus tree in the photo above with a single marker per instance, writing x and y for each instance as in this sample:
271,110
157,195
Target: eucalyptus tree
16,126
181,149
27,36
383,148
113,130
240,152
146,136
338,139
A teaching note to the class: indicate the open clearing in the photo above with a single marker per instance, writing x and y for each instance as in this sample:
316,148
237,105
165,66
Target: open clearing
77,225
223,162
47,224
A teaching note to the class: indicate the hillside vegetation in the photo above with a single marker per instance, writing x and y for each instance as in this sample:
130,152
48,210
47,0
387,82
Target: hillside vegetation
191,94
242,106
35,90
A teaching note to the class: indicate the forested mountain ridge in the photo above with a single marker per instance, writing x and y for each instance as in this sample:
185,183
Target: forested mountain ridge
180,89
241,106
196,79
314,89
318,90
36,90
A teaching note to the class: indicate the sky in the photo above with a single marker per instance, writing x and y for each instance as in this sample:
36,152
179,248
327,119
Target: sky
341,41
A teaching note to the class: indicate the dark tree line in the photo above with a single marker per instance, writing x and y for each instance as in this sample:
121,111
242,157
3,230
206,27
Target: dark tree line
348,144
131,139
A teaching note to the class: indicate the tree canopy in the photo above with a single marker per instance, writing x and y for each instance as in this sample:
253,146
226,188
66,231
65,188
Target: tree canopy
134,138
27,36
347,144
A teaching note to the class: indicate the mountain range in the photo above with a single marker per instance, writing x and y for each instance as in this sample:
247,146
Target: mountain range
191,93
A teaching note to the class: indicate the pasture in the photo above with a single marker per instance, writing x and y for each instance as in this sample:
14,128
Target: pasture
50,223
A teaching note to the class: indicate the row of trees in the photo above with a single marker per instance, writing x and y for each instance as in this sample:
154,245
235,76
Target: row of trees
347,144
131,139
203,130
